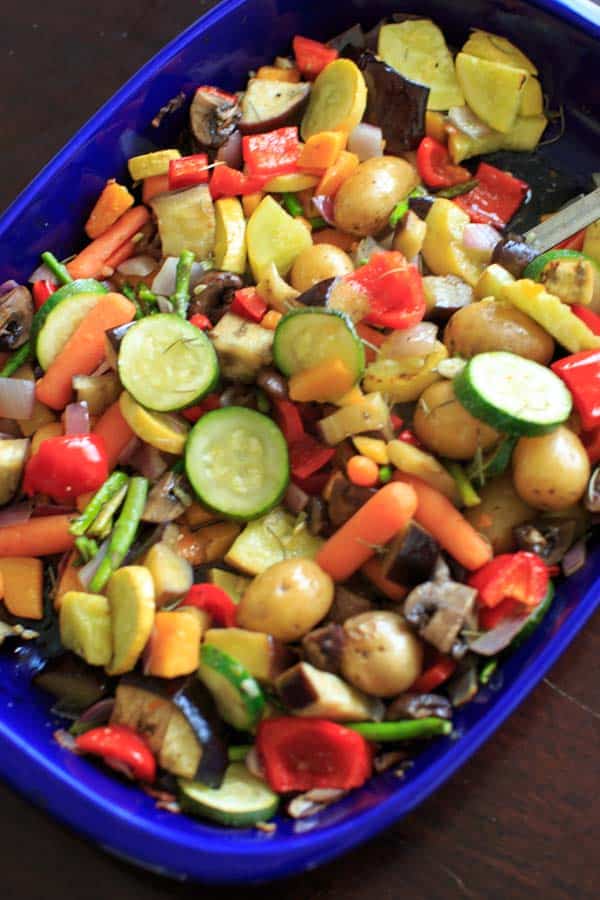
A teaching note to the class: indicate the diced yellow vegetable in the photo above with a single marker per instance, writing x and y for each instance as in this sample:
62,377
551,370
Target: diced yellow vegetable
553,315
292,181
532,100
174,646
372,448
353,397
273,236
409,240
417,49
186,221
230,235
42,415
492,282
413,461
172,575
13,454
276,292
52,429
149,164
436,126
525,134
269,540
571,280
323,383
250,202
462,146
497,49
443,248
370,414
85,626
130,594
22,579
232,583
591,241
492,89
165,431
394,379
262,655
337,100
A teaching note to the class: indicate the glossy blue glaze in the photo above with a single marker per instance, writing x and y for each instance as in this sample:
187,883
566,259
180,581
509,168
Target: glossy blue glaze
236,36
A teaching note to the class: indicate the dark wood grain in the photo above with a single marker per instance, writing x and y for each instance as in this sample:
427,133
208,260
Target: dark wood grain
522,819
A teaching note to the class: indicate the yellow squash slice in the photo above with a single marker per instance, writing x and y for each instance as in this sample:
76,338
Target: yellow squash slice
165,431
492,89
273,236
230,235
337,101
497,49
85,626
131,599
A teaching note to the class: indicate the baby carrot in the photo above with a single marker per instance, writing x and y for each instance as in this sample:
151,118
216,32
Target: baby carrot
92,259
384,515
39,536
444,522
122,253
390,589
116,432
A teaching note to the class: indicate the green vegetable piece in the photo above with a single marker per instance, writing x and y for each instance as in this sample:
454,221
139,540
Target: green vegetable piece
18,358
385,474
488,670
239,753
317,223
404,730
466,491
87,548
111,487
181,297
292,204
457,189
60,271
123,533
537,265
102,525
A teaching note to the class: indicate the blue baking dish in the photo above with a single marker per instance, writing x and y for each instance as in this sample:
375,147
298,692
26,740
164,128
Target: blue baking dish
236,36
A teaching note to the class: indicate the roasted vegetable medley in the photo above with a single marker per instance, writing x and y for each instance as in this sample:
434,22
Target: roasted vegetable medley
292,449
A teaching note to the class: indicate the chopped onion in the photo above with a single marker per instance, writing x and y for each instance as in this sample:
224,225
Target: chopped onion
87,572
102,369
8,286
466,121
231,151
16,514
9,429
498,638
65,740
253,764
295,499
17,398
43,273
324,205
128,451
481,239
77,418
100,712
163,282
365,249
575,558
149,462
366,141
164,305
416,341
137,265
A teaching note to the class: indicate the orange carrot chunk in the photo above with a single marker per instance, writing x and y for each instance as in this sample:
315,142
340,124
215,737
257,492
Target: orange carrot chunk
40,536
174,645
23,586
92,259
115,431
114,200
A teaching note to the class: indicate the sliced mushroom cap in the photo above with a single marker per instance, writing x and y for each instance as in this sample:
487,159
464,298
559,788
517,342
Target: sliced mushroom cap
344,499
548,539
213,117
167,500
16,314
419,706
323,647
439,610
214,298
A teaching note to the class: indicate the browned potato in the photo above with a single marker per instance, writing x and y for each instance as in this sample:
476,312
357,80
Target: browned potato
552,471
501,509
318,262
381,655
445,426
365,200
492,325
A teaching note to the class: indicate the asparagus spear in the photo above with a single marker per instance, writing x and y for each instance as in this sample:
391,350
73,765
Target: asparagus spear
123,533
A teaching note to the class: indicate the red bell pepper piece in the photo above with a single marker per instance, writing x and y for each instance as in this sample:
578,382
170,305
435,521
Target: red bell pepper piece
314,484
302,754
434,675
188,170
193,413
122,749
287,416
217,92
41,290
489,617
307,456
214,601
272,153
228,182
518,576
199,320
496,198
65,467
248,304
591,442
575,242
581,373
409,438
312,56
435,166
394,289
591,319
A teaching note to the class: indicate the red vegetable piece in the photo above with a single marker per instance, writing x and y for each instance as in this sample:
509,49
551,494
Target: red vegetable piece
272,153
289,420
228,182
394,289
490,617
307,456
435,166
590,318
302,754
121,748
41,290
314,484
199,320
248,304
434,675
312,56
214,601
193,413
522,577
65,467
188,171
575,242
581,373
496,198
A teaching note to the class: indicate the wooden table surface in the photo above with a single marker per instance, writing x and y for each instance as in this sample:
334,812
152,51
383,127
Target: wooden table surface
522,819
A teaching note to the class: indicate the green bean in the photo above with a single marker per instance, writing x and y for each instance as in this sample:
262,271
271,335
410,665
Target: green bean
292,204
467,492
60,271
488,670
404,730
18,358
457,189
87,548
113,484
123,533
317,222
101,526
181,296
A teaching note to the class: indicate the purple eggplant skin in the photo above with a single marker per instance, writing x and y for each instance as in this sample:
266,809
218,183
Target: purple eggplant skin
514,254
316,295
75,684
411,557
201,714
394,103
353,37
323,647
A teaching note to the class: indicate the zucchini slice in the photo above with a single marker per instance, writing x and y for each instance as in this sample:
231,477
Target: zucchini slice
238,696
513,394
55,321
237,462
167,364
307,337
242,800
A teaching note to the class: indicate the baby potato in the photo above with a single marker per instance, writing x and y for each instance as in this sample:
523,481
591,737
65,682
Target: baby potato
381,655
551,471
287,600
318,262
366,199
501,509
491,325
445,426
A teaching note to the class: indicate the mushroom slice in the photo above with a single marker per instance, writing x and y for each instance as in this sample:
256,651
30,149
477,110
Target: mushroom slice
439,610
213,116
419,706
16,314
212,294
167,500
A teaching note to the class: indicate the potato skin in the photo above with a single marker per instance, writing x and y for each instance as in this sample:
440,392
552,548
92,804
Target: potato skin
381,655
444,426
551,472
287,600
491,325
365,200
501,509
318,262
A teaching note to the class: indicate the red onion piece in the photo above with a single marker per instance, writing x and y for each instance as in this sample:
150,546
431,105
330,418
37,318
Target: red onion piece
575,558
466,121
87,572
102,369
99,712
149,462
128,451
295,499
51,509
17,398
324,205
231,151
43,273
65,740
366,141
77,418
16,514
480,239
498,638
8,286
416,341
164,305
137,265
